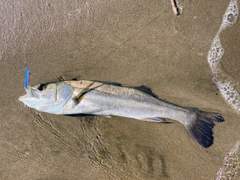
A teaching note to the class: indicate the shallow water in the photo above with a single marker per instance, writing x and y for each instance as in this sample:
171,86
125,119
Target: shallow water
228,88
224,82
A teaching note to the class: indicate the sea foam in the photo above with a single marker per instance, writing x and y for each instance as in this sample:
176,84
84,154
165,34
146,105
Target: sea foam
231,163
215,54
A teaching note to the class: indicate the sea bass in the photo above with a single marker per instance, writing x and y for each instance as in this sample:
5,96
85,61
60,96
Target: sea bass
107,99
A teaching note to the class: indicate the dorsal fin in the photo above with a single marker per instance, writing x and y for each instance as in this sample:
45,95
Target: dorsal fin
146,90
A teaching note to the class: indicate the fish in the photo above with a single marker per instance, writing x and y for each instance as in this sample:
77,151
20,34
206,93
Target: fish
84,97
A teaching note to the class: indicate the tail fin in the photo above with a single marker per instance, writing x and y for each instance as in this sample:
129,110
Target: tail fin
201,127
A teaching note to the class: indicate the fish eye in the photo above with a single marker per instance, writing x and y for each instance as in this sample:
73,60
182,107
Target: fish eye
42,86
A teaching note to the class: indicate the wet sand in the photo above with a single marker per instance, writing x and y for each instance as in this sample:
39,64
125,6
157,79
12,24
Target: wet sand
132,43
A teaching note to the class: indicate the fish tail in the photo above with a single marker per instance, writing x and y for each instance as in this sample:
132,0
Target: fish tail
201,128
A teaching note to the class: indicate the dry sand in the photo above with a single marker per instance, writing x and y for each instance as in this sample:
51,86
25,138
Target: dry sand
130,42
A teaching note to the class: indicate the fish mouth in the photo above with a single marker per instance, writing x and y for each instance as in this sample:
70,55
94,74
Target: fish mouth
29,94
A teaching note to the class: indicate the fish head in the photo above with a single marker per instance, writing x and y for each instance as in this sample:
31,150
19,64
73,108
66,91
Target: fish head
47,97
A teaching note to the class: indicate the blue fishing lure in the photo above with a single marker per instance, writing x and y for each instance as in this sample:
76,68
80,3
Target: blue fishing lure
27,80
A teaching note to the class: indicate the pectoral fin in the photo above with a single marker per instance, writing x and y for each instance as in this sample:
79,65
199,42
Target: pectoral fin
77,99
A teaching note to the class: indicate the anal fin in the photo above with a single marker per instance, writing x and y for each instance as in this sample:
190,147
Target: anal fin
155,119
